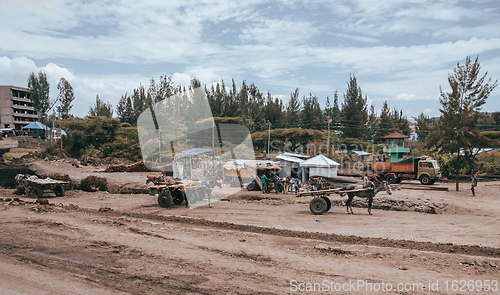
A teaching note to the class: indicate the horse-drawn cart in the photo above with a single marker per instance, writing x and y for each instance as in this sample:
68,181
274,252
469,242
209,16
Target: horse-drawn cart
36,187
321,203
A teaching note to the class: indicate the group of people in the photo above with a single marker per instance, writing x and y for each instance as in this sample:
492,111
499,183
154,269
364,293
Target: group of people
267,180
288,183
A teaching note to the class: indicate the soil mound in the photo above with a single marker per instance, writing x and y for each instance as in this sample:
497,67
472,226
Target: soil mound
93,183
136,167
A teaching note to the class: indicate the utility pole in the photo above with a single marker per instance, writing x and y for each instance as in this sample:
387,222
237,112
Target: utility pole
268,139
328,141
159,146
60,129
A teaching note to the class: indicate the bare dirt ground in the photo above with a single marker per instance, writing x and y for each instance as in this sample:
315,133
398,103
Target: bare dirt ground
251,243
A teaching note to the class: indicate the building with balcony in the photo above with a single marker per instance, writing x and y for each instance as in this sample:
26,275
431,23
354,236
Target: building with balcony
16,108
396,146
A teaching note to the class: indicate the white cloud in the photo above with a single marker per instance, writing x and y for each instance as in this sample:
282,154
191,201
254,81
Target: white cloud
15,71
108,87
402,50
282,32
406,97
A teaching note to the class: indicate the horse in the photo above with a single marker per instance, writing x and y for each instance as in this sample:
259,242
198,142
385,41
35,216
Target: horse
370,193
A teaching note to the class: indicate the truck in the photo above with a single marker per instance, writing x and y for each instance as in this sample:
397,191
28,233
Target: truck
424,169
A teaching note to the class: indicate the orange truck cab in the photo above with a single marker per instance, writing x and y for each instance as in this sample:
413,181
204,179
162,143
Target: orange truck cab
424,169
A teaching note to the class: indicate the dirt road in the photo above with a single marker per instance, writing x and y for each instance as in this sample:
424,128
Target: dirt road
101,243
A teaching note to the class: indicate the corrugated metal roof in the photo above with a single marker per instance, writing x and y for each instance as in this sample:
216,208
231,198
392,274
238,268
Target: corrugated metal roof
286,158
36,125
396,135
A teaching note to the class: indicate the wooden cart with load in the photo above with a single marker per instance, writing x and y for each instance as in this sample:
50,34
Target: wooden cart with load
36,187
169,193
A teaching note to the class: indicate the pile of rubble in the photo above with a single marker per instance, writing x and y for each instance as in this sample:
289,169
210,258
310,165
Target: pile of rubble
93,183
136,167
392,204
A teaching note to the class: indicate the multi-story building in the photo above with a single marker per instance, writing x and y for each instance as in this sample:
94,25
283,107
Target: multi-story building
16,108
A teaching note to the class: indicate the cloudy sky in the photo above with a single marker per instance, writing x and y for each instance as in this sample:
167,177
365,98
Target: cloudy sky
400,51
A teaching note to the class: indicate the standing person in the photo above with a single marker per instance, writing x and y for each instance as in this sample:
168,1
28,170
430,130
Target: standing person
291,183
276,182
264,183
474,182
365,180
297,186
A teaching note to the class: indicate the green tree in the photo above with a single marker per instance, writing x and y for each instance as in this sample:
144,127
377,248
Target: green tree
354,113
311,115
39,88
401,122
101,108
422,127
293,109
456,133
385,124
124,110
273,110
372,124
66,97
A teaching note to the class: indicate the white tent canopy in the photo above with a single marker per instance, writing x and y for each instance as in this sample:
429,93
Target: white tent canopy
319,161
319,166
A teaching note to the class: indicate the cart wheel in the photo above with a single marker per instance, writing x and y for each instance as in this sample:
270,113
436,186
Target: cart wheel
177,197
328,203
27,191
36,192
318,206
165,199
59,190
201,195
251,186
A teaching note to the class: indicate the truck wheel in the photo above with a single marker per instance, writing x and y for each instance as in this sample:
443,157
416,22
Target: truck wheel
328,203
390,178
425,179
165,199
36,192
318,206
59,190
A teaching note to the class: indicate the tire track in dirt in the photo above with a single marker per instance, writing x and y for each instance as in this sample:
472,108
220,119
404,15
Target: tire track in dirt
474,250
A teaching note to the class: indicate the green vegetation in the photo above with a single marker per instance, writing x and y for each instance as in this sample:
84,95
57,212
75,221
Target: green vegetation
102,137
456,133
453,138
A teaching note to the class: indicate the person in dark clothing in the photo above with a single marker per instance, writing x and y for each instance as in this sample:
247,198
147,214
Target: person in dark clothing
474,182
276,182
